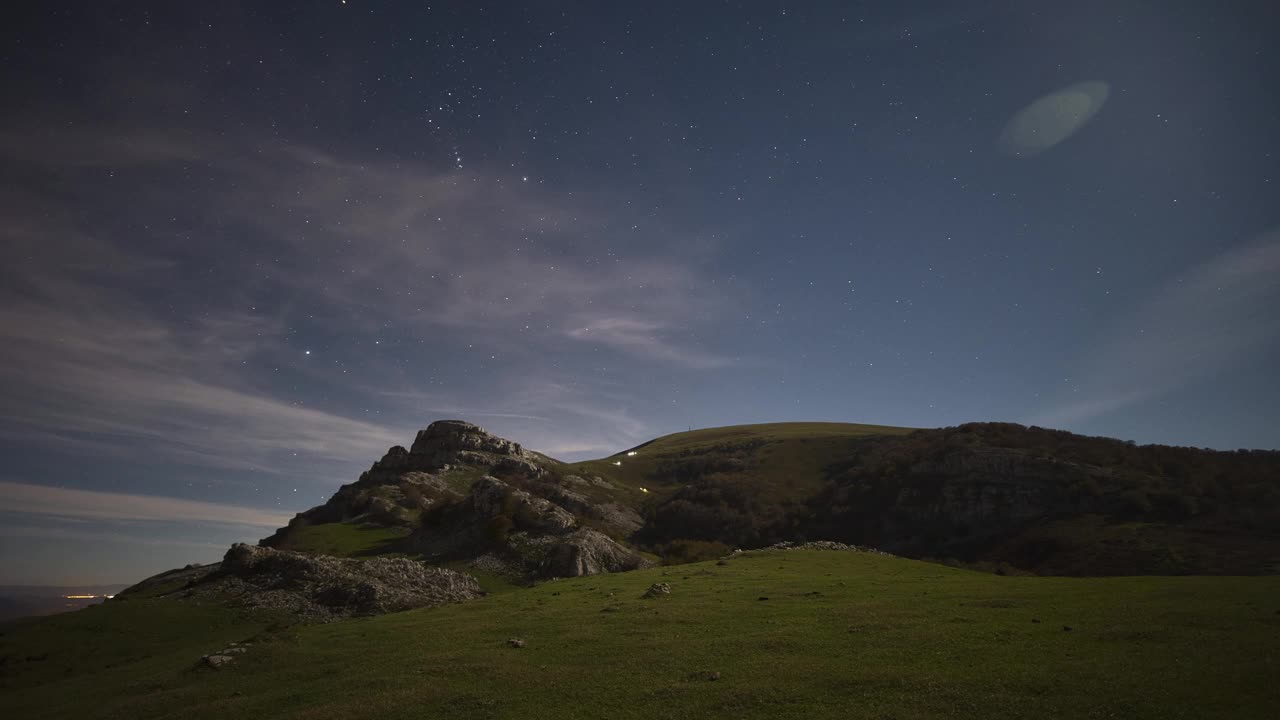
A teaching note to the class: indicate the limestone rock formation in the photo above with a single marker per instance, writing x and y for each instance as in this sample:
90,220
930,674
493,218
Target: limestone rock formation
590,552
442,442
462,494
323,587
519,533
397,488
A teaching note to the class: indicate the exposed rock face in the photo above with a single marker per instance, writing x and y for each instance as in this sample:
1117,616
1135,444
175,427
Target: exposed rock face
491,497
520,533
468,495
590,552
442,442
397,488
975,493
323,587
619,518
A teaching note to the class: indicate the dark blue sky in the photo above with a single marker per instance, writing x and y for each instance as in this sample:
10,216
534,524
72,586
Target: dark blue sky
248,246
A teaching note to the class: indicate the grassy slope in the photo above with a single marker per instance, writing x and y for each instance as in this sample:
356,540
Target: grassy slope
841,635
793,452
346,539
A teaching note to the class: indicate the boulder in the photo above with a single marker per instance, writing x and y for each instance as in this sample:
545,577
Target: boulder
216,661
590,552
658,590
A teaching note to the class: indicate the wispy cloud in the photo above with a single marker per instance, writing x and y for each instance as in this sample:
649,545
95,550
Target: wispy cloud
111,333
94,505
1204,323
36,532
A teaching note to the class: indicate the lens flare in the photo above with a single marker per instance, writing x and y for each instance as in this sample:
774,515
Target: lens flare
1053,118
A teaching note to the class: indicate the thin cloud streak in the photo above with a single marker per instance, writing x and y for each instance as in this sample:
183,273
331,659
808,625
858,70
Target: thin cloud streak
48,533
460,259
91,504
1205,323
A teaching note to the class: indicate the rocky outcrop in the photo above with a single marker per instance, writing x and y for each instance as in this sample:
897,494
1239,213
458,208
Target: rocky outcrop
323,587
519,533
465,495
590,552
490,497
397,488
619,519
444,440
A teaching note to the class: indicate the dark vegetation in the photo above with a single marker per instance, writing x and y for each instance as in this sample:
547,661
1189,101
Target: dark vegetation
989,495
993,496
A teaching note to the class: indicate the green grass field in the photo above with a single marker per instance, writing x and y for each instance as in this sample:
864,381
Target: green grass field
840,635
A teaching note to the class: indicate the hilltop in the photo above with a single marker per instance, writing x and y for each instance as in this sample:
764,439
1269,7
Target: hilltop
988,495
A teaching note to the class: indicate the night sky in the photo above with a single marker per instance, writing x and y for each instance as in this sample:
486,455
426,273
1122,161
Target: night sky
249,246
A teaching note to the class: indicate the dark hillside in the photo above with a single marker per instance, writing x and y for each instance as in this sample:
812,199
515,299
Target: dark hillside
994,496
991,494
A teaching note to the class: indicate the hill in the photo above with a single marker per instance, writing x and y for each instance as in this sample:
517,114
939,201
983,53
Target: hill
987,495
421,588
768,634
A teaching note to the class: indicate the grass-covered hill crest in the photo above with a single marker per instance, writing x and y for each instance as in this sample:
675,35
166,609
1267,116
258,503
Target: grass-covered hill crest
995,496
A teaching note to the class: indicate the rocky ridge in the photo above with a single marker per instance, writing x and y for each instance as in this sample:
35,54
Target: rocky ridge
320,587
465,495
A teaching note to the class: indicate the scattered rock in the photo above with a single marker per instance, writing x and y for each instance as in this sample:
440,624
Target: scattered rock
320,587
658,590
515,642
820,545
216,661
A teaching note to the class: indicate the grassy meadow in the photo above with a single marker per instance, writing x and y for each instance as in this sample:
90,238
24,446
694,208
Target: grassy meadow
798,634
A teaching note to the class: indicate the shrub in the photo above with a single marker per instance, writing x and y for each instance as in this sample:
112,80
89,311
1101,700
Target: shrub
499,527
